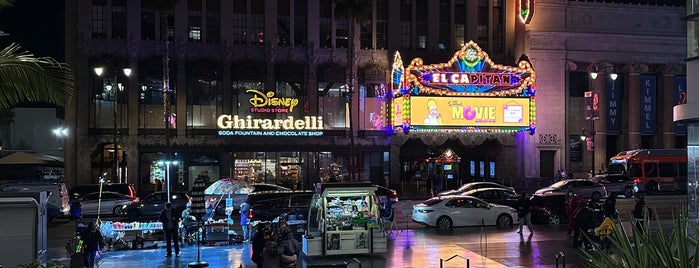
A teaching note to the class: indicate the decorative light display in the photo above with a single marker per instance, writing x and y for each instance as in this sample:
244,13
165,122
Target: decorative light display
469,73
526,10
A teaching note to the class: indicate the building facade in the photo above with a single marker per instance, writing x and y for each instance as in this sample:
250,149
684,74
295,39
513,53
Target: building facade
275,67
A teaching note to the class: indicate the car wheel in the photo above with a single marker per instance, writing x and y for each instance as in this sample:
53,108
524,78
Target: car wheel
504,220
596,196
117,210
628,193
554,219
652,187
444,223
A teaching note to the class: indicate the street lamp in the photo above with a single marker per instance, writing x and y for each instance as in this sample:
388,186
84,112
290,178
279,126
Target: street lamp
590,140
116,87
167,164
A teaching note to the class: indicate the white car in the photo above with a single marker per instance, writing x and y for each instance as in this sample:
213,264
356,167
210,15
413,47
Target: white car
446,212
112,203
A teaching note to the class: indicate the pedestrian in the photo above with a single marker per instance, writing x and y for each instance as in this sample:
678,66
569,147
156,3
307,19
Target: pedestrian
170,220
572,207
245,220
564,175
639,212
524,213
288,248
610,206
93,243
188,220
259,239
270,254
584,220
558,176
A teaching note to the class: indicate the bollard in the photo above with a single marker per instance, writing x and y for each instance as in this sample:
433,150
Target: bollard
559,255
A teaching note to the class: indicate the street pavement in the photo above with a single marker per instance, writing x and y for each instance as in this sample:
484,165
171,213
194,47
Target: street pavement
410,245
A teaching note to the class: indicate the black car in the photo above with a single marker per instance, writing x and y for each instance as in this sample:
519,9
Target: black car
498,196
390,194
149,207
549,208
291,205
122,188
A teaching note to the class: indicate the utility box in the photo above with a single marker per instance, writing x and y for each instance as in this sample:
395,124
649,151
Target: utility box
18,231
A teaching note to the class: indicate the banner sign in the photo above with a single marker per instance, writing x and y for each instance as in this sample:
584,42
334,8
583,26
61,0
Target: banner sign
648,100
469,111
575,149
613,90
681,98
592,105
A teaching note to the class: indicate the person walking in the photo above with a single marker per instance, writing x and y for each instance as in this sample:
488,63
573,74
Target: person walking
524,213
245,220
610,206
93,242
259,239
170,220
584,220
571,209
639,212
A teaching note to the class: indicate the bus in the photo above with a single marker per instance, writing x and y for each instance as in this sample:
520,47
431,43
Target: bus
653,170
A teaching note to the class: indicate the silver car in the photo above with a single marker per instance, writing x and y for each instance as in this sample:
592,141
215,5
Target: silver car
586,188
618,184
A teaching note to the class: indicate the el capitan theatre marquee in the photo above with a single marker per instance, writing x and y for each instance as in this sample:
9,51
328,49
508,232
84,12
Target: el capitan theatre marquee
467,93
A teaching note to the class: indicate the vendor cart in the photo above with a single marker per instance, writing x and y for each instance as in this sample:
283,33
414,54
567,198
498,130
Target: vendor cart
216,232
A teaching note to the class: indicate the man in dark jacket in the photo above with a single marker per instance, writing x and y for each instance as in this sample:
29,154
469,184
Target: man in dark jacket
289,248
93,242
524,214
171,219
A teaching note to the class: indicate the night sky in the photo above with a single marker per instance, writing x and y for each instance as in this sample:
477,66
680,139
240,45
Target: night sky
36,25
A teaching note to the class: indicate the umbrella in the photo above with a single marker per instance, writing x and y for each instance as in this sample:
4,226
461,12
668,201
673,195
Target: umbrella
227,186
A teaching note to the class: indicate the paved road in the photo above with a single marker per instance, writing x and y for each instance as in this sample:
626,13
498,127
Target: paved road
415,247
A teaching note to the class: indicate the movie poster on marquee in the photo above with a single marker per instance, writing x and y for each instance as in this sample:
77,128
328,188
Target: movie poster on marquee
513,112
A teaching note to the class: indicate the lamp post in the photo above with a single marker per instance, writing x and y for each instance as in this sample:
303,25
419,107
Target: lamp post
167,164
590,143
116,87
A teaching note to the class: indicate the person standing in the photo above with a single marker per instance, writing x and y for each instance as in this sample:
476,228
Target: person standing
610,206
93,242
289,248
261,236
170,220
245,220
524,213
639,212
584,220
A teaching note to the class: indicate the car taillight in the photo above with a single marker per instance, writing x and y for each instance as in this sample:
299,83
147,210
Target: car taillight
636,180
60,193
250,214
136,200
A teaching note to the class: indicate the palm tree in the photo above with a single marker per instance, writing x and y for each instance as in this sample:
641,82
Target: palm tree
355,11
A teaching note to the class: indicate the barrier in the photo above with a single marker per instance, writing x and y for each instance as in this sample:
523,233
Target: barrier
561,255
442,261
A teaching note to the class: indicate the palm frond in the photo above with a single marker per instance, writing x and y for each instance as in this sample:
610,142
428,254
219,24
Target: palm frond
25,78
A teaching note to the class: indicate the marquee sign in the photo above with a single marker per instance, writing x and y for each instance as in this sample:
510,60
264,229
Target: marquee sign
469,92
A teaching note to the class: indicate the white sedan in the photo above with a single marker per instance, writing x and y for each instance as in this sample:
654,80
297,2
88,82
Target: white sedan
446,212
112,203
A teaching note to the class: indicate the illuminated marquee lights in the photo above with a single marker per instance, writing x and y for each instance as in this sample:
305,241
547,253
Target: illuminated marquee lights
469,67
469,59
526,10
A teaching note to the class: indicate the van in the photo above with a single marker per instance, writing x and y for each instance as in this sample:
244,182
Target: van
127,189
58,203
292,205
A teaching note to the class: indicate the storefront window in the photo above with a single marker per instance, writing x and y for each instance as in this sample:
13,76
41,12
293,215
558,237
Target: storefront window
150,81
280,168
372,107
332,104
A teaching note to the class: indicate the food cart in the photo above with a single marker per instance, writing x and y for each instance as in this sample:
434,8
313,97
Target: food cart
343,219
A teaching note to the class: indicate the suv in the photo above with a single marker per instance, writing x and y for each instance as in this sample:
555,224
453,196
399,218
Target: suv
618,184
292,205
151,205
122,188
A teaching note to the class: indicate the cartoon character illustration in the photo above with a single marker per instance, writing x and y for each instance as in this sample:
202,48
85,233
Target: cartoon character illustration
433,116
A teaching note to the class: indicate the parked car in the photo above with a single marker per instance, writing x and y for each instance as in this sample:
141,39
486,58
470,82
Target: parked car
390,194
151,205
122,188
618,183
500,196
242,197
112,203
549,208
586,188
292,205
446,212
473,186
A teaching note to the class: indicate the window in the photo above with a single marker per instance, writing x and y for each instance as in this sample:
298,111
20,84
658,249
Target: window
650,170
194,18
283,23
635,170
381,23
300,14
213,21
147,23
119,19
668,169
325,20
99,19
240,21
258,21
